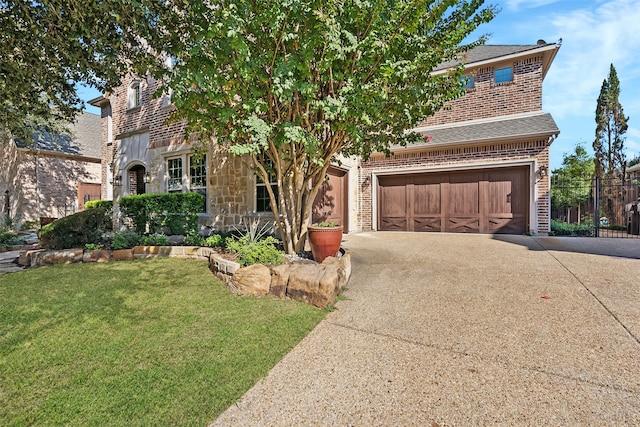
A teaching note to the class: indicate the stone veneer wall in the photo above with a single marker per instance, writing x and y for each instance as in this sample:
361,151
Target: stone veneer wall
488,99
489,155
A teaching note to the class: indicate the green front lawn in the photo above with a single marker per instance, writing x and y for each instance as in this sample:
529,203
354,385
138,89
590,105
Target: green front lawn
148,342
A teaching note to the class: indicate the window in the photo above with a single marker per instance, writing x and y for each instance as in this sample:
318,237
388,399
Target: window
504,75
198,173
177,178
174,175
466,82
263,203
134,95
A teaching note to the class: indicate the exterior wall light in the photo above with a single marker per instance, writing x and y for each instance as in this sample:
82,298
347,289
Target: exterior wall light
117,181
146,178
542,172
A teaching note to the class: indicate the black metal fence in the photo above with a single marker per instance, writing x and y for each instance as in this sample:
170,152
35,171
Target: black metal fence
598,207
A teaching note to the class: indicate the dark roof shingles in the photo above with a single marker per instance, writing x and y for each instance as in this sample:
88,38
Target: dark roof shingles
539,124
82,140
487,52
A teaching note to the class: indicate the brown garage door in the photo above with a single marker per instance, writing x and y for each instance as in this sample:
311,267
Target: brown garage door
483,201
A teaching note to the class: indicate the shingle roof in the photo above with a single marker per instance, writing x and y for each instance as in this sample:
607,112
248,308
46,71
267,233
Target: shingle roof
541,124
487,52
84,138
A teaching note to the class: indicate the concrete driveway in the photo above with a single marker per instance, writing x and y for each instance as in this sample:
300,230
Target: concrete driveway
447,329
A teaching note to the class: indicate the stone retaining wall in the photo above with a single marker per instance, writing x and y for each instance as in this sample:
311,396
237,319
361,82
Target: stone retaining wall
317,284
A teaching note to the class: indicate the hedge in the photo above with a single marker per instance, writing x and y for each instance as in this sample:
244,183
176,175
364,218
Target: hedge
169,213
75,231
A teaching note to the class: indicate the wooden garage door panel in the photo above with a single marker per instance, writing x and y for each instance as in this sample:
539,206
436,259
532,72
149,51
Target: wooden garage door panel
489,201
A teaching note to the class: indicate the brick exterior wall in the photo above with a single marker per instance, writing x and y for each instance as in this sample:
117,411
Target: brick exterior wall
231,186
52,190
488,99
489,155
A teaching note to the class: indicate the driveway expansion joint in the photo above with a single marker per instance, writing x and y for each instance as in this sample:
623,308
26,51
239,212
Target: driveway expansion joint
611,313
506,364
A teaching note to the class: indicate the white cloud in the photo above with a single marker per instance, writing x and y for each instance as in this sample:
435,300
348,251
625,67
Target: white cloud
515,5
592,40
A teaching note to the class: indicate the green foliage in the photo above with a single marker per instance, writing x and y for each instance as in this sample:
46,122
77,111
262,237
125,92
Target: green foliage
294,84
194,239
10,222
105,204
326,224
125,239
173,213
31,225
263,251
560,228
75,230
8,238
93,246
215,241
155,239
49,45
571,184
611,125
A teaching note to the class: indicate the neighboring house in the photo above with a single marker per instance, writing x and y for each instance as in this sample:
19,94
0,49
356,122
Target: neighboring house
634,172
55,175
483,166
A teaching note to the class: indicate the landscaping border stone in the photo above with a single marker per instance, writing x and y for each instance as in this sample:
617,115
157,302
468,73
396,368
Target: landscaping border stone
316,284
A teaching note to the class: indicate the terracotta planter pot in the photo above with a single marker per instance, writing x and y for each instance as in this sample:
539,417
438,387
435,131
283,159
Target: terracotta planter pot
324,241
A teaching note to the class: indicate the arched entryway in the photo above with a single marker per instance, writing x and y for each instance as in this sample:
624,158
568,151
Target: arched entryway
136,180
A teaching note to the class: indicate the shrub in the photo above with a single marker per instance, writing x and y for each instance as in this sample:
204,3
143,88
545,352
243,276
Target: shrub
560,228
194,239
104,204
125,239
214,241
155,239
93,246
75,230
175,213
263,251
8,238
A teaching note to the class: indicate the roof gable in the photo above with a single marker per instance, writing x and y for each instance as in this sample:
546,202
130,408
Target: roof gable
82,140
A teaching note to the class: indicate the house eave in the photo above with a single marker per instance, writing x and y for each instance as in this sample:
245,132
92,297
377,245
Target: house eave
550,137
551,48
61,155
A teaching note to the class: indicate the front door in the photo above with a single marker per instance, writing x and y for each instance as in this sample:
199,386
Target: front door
331,202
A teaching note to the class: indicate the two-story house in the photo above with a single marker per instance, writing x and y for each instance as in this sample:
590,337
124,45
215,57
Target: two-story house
483,165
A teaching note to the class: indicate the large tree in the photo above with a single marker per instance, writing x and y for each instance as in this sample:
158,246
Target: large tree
571,184
49,46
611,125
294,84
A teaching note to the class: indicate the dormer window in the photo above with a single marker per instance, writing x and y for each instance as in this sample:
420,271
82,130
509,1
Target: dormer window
503,75
134,95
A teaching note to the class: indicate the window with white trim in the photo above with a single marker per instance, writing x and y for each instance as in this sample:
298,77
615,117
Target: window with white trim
134,95
174,175
187,172
263,202
503,75
198,173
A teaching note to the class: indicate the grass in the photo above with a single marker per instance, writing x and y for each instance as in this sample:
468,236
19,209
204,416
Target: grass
147,342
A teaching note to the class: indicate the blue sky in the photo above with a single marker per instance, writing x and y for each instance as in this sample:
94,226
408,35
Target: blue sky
595,33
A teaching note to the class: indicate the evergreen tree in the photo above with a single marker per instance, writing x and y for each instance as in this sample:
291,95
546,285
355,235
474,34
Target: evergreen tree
611,125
